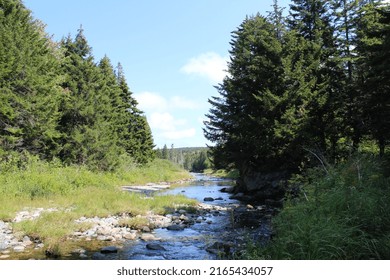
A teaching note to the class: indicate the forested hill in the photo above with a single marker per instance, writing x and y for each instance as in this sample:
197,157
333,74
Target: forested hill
195,159
309,88
56,101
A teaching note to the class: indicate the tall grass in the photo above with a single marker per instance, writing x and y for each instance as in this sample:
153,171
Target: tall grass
341,214
75,191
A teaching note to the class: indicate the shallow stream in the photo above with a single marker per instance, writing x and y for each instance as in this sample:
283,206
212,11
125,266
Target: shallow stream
220,232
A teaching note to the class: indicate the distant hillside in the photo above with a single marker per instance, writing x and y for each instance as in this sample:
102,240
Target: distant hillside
194,159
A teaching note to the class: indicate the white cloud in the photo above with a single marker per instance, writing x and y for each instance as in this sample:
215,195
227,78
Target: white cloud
209,65
160,112
179,134
165,121
152,101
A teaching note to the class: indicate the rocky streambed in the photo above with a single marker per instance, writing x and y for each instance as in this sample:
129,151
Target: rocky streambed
218,227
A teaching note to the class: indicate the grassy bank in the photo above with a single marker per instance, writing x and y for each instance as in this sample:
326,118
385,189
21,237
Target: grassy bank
341,213
76,191
222,173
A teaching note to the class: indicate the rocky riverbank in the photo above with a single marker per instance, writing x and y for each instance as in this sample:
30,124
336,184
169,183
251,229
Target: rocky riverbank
112,230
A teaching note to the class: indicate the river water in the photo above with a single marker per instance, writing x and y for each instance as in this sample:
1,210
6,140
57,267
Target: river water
222,232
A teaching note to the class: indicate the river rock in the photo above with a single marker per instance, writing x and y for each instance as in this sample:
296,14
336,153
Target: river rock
227,190
156,247
208,199
219,247
175,227
105,238
130,236
109,250
146,229
98,256
261,185
148,237
19,248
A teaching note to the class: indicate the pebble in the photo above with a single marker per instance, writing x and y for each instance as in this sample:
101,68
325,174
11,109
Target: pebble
175,227
148,237
109,250
19,248
155,247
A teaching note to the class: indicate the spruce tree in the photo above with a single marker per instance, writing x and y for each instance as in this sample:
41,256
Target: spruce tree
88,137
312,19
135,135
373,45
29,91
242,120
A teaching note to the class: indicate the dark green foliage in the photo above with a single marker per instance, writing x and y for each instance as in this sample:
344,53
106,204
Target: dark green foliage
242,120
310,93
295,92
55,101
29,91
341,214
374,47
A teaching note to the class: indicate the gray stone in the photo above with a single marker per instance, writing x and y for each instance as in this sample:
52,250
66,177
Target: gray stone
208,199
175,227
130,236
109,250
79,251
19,248
98,256
148,237
156,247
146,229
105,238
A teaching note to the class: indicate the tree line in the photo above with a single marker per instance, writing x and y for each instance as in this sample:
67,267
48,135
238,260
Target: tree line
56,102
313,86
194,159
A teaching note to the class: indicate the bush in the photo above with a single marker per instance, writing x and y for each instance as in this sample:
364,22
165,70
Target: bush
341,214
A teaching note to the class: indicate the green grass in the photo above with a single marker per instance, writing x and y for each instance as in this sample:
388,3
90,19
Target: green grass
344,215
221,173
76,191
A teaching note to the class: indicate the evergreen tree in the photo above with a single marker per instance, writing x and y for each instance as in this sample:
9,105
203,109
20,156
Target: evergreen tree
374,48
29,91
135,134
312,19
87,110
242,121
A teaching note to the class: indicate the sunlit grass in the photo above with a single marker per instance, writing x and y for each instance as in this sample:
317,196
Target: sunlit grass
75,192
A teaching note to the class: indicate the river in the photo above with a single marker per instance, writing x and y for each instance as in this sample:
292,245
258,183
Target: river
221,231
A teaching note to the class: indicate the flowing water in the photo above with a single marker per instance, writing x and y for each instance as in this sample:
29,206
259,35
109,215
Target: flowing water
220,231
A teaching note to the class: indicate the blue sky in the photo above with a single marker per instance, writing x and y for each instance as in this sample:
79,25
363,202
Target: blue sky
173,52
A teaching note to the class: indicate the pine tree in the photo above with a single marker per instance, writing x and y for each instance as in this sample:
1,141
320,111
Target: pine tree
29,91
241,121
312,19
136,136
87,110
374,48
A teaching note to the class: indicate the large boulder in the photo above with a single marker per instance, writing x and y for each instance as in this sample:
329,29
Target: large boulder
262,185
